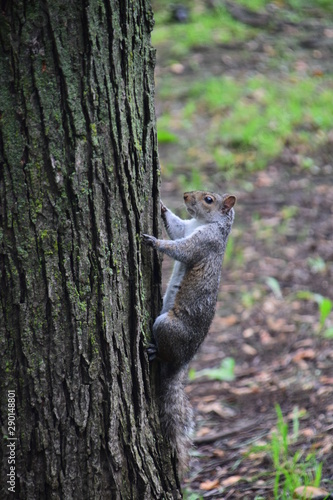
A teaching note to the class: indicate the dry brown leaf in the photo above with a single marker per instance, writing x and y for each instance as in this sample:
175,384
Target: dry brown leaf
177,68
304,354
309,492
248,333
276,325
257,455
203,431
217,408
229,481
266,338
324,390
264,179
242,391
208,398
308,432
209,485
218,453
326,380
326,447
248,349
279,325
229,320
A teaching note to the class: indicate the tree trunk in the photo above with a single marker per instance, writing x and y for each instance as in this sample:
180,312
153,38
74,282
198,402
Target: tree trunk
79,182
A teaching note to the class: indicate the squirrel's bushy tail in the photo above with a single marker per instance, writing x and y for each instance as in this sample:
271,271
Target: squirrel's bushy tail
176,414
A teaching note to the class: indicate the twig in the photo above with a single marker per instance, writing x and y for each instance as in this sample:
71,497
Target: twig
223,434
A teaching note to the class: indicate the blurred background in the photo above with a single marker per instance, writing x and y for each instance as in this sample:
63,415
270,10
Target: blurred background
244,101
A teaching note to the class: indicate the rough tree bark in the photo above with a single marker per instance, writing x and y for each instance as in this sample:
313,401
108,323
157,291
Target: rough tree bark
78,184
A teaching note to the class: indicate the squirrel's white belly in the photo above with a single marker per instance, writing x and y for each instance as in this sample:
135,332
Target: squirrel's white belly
173,286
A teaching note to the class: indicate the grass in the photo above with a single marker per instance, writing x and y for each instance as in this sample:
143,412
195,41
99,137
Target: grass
225,372
325,306
250,121
237,123
225,126
204,28
291,469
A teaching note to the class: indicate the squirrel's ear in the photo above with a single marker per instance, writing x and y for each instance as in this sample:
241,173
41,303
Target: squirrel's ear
228,202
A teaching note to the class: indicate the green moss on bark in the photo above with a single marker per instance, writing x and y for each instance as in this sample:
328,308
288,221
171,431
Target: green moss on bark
78,184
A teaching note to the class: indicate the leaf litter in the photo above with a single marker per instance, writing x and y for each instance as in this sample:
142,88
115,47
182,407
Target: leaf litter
274,313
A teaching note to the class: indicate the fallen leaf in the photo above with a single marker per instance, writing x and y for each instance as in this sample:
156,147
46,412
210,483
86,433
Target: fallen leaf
231,480
219,409
326,448
304,354
264,180
248,332
279,325
229,320
243,391
326,380
218,453
328,32
308,432
209,398
248,349
209,485
203,431
177,68
310,492
266,338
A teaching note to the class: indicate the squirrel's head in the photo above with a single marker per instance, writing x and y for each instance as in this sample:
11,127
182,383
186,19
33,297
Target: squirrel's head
210,207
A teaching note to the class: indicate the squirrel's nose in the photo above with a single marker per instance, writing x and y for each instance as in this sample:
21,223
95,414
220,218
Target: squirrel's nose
185,196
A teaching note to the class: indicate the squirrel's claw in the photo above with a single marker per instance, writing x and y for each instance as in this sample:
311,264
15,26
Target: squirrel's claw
148,240
152,351
163,208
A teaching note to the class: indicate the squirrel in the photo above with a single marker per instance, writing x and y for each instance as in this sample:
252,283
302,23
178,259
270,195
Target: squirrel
198,247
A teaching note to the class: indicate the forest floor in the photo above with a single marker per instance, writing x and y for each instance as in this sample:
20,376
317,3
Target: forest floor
273,315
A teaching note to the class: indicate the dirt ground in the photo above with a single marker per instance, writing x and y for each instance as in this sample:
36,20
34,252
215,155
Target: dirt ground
283,230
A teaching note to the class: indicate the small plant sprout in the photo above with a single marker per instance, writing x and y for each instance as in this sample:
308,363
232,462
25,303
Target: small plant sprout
291,469
225,372
274,285
325,307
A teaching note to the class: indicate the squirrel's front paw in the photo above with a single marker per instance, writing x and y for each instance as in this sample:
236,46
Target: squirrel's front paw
152,351
149,240
163,208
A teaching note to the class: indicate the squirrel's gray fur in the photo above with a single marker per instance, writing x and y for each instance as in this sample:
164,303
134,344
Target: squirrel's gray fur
198,247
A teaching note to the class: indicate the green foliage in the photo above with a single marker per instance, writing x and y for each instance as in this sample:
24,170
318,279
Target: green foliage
316,264
325,307
328,333
249,122
289,212
188,495
165,136
255,5
249,118
224,372
204,27
291,469
274,285
300,6
192,182
255,119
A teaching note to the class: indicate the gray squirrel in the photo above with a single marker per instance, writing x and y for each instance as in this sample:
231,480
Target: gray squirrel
198,247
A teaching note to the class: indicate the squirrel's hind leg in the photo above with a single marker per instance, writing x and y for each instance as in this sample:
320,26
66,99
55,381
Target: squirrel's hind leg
169,338
152,348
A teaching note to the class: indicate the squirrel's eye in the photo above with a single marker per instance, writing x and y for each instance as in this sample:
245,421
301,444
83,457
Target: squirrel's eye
209,200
